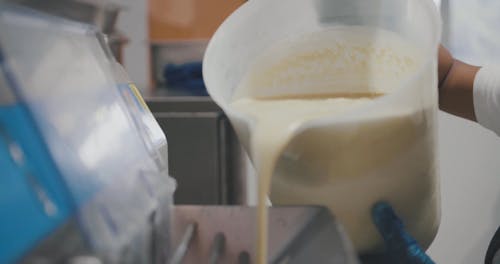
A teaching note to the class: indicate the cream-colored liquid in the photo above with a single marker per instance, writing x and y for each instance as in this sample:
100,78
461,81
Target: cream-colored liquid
276,122
317,137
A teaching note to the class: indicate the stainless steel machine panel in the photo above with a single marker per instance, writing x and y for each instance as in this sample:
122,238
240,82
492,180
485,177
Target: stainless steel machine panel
194,160
227,234
204,153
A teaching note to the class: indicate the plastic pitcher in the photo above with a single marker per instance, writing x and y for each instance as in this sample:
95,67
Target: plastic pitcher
369,157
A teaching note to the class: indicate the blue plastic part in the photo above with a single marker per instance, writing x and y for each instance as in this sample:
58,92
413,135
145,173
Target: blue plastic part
400,246
34,200
187,77
25,218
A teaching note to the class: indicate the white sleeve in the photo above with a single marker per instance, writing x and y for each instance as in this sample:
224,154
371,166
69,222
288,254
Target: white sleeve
487,98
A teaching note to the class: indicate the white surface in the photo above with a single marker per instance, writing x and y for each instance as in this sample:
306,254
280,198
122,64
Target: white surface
133,22
469,154
470,191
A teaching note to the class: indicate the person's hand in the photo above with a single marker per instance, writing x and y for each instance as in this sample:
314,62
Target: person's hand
401,248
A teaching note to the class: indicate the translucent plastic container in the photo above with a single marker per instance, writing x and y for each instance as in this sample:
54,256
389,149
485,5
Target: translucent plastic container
107,174
381,150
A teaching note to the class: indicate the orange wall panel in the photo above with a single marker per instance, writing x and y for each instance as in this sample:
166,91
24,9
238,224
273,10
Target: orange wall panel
187,19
